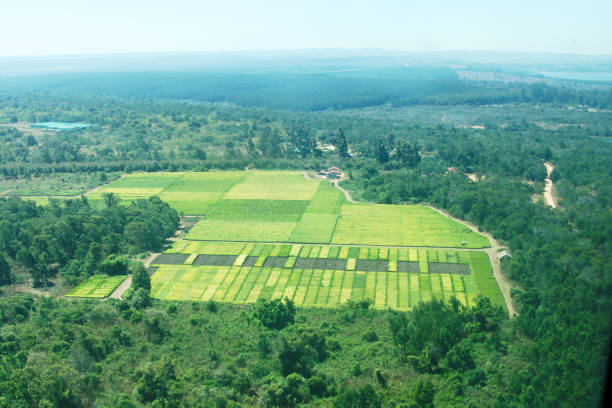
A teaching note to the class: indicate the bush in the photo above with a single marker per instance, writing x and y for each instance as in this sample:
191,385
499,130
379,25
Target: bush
364,397
275,314
140,278
114,265
370,336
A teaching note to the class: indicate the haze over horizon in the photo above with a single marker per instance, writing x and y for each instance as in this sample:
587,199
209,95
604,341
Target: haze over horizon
73,27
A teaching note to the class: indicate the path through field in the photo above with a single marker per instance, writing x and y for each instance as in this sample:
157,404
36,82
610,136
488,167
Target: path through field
548,197
502,281
118,293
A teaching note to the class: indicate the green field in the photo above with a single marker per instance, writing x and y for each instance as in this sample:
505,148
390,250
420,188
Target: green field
283,230
282,206
237,282
97,286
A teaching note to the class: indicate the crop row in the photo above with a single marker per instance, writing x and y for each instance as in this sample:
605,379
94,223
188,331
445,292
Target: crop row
308,287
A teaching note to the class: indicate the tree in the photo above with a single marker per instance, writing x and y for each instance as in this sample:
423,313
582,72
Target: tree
275,314
407,154
5,271
302,140
381,153
364,397
424,394
342,144
140,278
114,265
110,200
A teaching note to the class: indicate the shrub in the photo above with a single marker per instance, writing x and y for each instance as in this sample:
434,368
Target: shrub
275,314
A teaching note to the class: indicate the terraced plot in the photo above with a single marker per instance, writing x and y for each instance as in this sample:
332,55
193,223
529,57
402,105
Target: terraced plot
322,275
97,286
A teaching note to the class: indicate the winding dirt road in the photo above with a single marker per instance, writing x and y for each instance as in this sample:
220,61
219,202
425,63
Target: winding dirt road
548,197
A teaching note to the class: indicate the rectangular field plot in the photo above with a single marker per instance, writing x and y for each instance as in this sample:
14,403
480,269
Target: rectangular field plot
97,286
317,275
315,228
458,269
404,225
274,186
258,210
217,260
223,230
170,259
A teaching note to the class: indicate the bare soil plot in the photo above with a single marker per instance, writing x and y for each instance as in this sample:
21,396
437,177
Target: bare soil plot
170,259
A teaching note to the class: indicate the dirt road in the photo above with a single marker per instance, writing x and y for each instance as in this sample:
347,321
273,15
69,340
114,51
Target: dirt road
548,197
125,285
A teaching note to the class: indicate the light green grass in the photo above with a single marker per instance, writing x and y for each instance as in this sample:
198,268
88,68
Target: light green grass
274,186
241,231
407,225
316,228
97,286
259,210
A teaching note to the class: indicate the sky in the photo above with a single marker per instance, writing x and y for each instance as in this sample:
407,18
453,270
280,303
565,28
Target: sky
62,27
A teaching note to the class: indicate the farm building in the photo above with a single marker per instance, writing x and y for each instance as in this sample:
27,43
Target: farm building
504,255
331,173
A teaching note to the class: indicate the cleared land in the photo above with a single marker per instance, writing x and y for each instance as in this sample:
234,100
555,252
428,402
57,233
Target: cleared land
277,234
286,207
321,275
406,225
97,286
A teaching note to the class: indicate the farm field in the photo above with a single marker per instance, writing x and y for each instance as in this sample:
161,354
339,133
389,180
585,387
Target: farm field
321,275
276,234
97,286
283,206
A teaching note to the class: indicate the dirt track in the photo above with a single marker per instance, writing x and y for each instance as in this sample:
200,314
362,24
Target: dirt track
118,293
548,197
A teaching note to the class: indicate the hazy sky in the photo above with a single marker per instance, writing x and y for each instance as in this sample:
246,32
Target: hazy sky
36,27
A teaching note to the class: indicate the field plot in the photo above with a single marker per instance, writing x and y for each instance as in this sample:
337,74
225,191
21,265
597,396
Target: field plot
322,275
188,193
406,225
274,186
282,206
97,286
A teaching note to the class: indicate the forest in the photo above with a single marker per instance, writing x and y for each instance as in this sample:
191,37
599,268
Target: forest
139,351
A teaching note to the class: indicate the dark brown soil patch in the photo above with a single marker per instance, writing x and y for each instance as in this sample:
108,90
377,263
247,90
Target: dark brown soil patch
320,263
455,269
250,261
216,260
371,266
409,267
275,261
170,259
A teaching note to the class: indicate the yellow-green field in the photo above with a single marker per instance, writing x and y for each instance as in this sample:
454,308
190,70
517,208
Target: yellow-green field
389,287
277,234
283,206
97,286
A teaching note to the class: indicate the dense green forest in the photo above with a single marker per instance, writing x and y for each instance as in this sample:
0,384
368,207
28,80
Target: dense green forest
144,352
